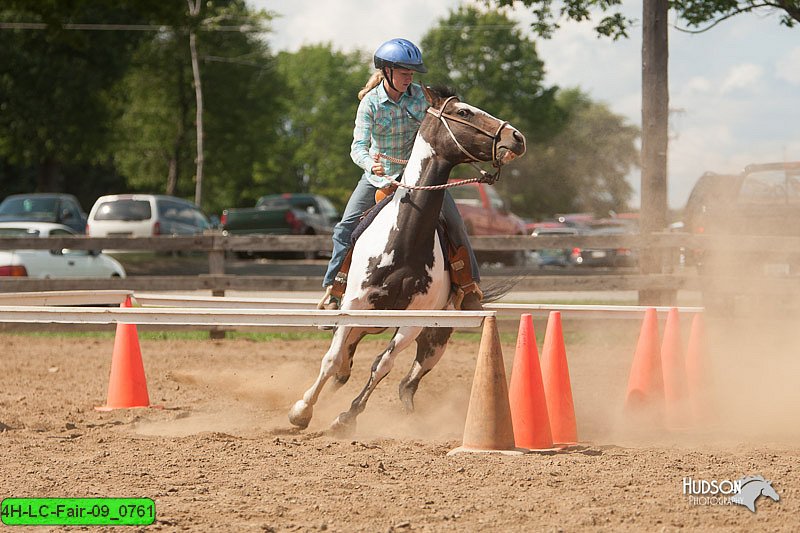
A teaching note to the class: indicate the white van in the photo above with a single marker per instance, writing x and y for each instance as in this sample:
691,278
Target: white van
144,215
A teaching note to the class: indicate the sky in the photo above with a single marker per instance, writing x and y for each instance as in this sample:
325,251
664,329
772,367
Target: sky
734,90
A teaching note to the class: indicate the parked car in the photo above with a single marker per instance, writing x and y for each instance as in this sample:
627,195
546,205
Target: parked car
618,256
60,263
144,215
763,200
557,257
486,213
282,214
57,208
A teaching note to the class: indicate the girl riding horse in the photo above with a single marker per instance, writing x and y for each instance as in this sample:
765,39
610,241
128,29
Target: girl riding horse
388,118
398,262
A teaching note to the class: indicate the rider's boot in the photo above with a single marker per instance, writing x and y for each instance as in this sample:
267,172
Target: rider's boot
468,295
472,298
329,301
332,300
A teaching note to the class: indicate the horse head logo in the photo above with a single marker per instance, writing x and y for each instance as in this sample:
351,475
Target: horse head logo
752,488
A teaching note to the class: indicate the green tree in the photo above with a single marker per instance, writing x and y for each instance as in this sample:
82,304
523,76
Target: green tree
579,152
156,143
56,84
698,14
489,63
313,152
582,169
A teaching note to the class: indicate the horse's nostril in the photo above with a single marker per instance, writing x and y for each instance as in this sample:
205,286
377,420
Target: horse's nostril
518,136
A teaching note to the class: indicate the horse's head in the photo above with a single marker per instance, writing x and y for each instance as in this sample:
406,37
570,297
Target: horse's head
463,133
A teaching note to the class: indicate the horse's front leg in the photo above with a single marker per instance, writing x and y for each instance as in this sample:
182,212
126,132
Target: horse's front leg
345,423
430,349
344,341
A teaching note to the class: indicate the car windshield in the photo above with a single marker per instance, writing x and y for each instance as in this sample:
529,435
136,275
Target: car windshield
273,202
130,210
28,206
770,187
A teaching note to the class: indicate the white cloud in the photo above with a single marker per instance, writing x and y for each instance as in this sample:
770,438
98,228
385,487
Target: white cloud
787,67
742,77
349,25
698,85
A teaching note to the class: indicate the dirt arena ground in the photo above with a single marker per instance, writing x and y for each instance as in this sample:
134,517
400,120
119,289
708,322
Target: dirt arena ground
221,455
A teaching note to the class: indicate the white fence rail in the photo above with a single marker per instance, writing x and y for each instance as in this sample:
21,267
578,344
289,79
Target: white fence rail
240,317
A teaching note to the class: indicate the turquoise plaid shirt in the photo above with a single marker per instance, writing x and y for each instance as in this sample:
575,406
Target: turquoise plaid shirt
387,127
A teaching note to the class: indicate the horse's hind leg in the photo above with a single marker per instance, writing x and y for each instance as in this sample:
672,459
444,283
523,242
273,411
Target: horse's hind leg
346,363
345,423
431,344
344,341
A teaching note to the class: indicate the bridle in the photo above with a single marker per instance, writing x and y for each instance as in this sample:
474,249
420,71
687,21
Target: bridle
445,117
485,177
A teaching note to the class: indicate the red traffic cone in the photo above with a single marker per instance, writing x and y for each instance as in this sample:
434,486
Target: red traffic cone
127,386
526,392
645,383
557,387
488,427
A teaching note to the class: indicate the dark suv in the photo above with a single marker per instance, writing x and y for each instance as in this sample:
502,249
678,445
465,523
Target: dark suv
44,207
763,200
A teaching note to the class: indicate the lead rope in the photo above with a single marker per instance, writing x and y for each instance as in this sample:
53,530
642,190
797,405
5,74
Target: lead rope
484,178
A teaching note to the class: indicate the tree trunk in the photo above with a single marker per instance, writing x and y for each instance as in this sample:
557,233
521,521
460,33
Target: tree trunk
655,113
198,90
49,178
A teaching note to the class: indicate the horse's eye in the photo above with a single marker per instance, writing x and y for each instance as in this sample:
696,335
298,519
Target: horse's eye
464,113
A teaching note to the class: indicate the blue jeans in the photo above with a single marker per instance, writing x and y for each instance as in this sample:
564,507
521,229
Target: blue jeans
363,198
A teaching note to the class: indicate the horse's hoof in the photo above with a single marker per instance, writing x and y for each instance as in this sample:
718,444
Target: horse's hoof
408,402
407,396
344,426
300,414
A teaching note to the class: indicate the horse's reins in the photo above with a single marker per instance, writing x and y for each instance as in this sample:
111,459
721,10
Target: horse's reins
485,176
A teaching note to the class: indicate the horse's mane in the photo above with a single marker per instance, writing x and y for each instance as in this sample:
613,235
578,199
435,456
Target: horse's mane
442,91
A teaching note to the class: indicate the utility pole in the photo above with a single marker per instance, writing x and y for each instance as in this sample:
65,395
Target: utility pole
655,125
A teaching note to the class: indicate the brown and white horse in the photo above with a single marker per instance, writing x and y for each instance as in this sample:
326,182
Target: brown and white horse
398,262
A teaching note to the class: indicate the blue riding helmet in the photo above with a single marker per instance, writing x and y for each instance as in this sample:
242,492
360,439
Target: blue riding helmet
399,53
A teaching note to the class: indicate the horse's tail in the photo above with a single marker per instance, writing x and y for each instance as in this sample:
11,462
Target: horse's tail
497,289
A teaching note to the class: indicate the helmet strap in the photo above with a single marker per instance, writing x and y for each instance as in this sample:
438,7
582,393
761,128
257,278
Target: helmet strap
387,75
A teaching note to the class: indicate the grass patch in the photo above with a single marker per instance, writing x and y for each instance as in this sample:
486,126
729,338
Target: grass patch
506,337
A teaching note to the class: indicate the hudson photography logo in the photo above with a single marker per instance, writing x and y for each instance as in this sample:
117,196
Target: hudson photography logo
743,491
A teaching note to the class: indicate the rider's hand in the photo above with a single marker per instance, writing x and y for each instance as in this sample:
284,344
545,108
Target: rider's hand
378,169
389,189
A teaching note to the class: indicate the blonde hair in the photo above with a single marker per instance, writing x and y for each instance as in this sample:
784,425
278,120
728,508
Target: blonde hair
372,82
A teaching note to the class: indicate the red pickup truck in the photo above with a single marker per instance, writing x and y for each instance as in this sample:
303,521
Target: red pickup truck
485,213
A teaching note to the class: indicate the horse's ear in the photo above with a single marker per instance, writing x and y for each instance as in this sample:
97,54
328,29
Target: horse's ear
432,98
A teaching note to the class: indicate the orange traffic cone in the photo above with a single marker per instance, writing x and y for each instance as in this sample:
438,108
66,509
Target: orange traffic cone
526,392
557,387
127,386
488,427
674,371
645,383
698,378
